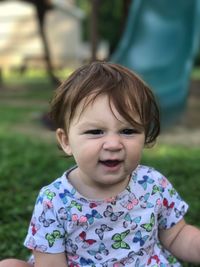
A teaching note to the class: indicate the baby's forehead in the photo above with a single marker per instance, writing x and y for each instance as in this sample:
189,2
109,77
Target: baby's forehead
95,100
100,105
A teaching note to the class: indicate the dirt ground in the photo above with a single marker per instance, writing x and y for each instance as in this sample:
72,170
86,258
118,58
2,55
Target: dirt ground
187,130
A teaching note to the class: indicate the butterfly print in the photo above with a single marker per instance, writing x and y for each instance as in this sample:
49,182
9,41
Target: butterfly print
92,205
129,201
63,214
129,259
75,204
66,193
71,248
144,201
92,216
134,177
168,207
72,264
129,222
51,238
100,231
86,242
31,244
111,200
181,212
158,205
44,221
157,189
149,226
34,226
163,182
145,181
86,262
172,259
47,205
113,215
97,253
155,258
71,259
163,223
119,240
137,263
40,199
139,238
149,249
57,184
172,192
49,194
76,221
107,263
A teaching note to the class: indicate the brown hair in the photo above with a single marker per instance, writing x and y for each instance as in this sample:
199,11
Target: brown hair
129,94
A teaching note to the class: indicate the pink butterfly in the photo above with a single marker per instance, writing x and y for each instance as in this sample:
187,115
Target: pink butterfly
168,206
34,226
130,201
163,182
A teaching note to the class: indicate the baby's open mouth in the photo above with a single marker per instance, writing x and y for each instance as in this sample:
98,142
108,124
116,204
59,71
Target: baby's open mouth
110,163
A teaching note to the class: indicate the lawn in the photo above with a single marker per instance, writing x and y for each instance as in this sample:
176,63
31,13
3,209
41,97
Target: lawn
29,159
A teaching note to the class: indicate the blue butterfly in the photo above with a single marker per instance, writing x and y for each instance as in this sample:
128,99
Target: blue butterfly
137,264
94,215
40,199
97,253
146,180
66,194
138,238
86,262
57,184
144,201
133,222
163,223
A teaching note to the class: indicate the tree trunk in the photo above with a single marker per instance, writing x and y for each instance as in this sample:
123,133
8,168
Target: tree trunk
94,29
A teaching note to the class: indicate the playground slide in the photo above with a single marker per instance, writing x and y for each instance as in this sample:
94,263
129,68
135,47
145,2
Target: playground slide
159,43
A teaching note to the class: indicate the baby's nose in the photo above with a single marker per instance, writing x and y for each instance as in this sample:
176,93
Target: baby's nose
113,142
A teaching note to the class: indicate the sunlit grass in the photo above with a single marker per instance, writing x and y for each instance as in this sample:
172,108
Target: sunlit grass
196,73
35,76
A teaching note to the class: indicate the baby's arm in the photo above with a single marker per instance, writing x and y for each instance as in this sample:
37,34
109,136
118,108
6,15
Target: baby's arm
49,260
183,241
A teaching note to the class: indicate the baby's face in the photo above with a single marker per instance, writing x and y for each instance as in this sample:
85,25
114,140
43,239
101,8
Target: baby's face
105,146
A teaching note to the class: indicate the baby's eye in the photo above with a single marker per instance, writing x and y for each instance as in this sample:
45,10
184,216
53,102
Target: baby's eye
129,131
94,132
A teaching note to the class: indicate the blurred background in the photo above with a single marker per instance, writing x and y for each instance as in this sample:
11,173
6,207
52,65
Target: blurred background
42,42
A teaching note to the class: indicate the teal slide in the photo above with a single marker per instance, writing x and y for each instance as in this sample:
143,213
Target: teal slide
160,42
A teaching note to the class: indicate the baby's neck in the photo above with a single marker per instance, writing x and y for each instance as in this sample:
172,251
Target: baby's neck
94,193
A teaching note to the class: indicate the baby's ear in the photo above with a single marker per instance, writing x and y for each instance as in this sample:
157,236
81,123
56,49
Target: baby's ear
63,141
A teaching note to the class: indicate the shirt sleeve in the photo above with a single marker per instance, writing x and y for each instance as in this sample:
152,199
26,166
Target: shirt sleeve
46,231
173,207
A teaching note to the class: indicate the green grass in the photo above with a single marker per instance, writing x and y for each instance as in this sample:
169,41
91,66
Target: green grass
28,162
26,165
196,73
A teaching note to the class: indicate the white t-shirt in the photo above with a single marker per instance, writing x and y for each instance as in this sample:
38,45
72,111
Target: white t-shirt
120,231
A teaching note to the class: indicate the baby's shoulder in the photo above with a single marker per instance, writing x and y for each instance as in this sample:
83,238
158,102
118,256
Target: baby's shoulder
57,192
149,175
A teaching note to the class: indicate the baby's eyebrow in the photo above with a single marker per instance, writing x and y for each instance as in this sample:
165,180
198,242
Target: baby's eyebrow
101,124
91,124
